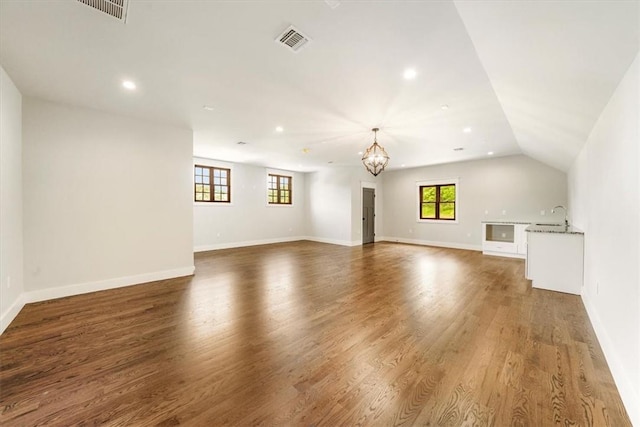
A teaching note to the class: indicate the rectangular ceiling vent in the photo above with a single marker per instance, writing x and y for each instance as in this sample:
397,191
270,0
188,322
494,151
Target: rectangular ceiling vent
115,8
293,39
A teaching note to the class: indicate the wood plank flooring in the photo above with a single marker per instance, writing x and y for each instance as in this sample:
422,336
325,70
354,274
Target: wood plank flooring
310,334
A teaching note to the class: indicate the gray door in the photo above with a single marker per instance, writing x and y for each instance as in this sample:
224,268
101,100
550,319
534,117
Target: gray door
368,215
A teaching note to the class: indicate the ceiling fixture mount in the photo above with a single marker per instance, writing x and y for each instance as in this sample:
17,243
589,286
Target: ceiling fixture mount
444,107
279,129
332,3
490,153
466,130
375,158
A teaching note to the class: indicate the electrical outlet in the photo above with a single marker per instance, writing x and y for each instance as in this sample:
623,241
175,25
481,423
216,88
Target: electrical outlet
218,235
504,212
410,230
468,234
486,212
543,212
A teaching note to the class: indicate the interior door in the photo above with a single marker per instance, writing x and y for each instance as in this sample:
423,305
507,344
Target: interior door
368,215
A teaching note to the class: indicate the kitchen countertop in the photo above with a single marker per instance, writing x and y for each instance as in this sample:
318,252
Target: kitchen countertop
561,229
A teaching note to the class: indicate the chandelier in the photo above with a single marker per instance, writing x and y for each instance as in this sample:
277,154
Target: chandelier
375,159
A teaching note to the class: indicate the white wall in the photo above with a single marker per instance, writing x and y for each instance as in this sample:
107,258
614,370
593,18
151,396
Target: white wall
329,205
249,219
11,239
604,191
107,200
518,185
334,204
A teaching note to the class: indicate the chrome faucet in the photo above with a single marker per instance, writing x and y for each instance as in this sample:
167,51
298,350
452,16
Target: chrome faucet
566,220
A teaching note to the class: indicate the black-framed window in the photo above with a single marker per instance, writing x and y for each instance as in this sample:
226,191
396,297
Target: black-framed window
212,184
438,202
279,189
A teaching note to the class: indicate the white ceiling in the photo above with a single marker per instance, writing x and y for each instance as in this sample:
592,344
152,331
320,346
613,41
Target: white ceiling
527,77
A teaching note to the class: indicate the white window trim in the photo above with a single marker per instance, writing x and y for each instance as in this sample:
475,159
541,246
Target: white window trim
419,184
203,161
266,187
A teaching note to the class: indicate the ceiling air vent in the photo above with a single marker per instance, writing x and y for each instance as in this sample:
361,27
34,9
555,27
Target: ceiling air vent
293,39
115,8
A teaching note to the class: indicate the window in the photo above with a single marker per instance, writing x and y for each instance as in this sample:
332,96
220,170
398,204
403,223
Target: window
279,190
212,184
438,202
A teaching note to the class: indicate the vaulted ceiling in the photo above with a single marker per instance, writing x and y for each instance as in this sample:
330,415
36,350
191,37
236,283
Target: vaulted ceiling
522,76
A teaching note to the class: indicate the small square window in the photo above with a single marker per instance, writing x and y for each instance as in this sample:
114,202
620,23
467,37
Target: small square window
279,189
219,192
438,202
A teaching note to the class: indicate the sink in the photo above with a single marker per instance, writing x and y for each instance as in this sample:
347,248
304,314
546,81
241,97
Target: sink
550,224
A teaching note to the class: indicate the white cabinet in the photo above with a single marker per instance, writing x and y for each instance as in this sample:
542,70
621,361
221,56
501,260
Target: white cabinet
507,239
555,261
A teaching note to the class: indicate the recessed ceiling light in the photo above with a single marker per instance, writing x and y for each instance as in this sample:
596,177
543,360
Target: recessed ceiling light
410,73
466,130
402,165
207,107
128,84
360,153
279,129
444,107
306,150
490,153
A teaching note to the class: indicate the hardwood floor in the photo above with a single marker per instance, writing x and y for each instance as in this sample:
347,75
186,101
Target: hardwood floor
310,334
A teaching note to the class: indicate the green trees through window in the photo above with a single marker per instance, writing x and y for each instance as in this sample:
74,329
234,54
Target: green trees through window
279,190
438,202
212,184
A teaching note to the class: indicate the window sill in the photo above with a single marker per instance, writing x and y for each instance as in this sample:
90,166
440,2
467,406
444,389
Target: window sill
211,205
277,205
437,221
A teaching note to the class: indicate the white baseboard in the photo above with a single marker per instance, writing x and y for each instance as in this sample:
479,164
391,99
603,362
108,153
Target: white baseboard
101,285
231,245
623,380
7,317
451,245
84,288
